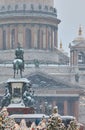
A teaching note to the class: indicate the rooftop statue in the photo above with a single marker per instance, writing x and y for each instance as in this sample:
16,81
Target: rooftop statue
18,63
6,98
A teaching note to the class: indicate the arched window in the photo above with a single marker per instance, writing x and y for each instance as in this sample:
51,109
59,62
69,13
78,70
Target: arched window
12,38
28,38
80,58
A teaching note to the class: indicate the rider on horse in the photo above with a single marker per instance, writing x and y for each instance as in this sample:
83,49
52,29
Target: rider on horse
19,52
18,63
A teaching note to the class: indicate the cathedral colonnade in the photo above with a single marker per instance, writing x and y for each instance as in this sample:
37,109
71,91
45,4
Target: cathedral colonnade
66,106
31,36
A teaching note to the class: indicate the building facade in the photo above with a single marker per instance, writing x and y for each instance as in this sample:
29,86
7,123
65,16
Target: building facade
34,24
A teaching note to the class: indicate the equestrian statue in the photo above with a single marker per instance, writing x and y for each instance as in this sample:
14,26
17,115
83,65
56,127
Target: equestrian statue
18,63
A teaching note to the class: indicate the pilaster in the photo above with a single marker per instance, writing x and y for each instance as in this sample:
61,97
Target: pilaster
55,38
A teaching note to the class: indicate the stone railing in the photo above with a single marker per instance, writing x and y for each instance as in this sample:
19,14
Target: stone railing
26,9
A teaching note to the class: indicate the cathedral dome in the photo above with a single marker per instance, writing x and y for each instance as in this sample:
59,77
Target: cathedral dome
80,37
33,23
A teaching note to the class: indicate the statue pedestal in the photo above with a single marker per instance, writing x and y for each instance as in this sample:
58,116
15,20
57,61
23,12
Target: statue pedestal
16,89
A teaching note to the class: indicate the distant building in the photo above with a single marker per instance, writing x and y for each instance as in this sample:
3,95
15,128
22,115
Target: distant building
77,51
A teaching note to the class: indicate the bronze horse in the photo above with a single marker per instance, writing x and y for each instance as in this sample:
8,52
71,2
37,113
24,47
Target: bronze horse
18,65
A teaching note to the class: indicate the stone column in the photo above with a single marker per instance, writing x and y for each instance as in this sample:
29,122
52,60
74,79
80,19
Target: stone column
52,39
41,39
7,37
49,38
46,37
55,38
71,57
75,57
76,109
1,38
24,36
32,35
65,107
40,46
16,35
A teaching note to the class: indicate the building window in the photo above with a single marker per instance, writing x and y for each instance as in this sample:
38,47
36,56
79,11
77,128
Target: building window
80,58
28,38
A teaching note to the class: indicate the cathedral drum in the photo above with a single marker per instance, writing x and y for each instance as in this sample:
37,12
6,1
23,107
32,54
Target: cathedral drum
27,21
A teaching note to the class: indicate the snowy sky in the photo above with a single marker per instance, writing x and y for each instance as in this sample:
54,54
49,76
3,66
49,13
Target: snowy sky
71,14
